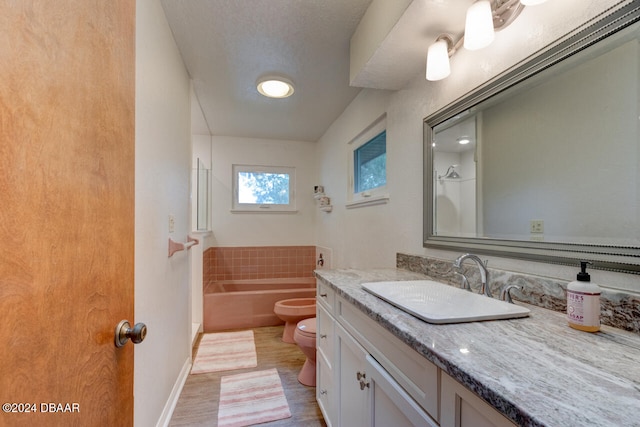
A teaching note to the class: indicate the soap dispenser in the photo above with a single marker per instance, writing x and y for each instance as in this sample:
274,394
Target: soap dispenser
583,302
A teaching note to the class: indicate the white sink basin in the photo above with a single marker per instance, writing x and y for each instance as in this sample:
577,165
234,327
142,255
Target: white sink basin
435,302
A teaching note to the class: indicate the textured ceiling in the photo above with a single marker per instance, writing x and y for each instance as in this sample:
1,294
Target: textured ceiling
227,45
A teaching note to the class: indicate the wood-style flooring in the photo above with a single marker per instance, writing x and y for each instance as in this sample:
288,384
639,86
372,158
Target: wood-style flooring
198,402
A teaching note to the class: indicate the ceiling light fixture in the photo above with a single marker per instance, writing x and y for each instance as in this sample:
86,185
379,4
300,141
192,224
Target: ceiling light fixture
464,140
275,87
483,18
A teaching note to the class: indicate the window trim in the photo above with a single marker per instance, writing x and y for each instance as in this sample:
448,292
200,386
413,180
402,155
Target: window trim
237,207
374,196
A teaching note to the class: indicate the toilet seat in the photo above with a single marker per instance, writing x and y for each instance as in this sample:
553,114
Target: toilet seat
307,327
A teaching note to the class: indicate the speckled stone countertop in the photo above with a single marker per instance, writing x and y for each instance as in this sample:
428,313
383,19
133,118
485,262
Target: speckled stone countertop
537,370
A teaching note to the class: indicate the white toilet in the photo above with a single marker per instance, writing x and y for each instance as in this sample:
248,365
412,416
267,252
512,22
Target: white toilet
305,337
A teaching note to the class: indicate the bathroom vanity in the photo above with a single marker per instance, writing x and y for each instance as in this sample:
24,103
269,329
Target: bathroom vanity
377,365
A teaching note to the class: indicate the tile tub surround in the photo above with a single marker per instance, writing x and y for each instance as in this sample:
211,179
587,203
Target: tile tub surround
536,370
257,262
618,309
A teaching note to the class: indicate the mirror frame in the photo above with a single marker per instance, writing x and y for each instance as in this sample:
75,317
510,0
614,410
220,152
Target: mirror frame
625,259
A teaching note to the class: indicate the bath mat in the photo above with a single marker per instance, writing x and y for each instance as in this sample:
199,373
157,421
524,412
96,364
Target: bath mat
252,398
224,351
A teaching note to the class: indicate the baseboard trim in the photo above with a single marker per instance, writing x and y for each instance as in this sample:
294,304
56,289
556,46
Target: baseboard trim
196,328
170,406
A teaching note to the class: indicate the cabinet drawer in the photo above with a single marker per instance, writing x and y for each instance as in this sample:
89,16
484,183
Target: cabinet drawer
418,376
325,296
324,334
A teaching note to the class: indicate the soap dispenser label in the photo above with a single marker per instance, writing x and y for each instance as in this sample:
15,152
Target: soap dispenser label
583,308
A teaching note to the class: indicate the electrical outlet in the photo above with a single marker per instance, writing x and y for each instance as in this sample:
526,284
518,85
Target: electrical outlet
537,226
172,223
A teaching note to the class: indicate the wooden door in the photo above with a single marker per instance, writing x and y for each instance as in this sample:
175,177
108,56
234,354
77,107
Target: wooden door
66,211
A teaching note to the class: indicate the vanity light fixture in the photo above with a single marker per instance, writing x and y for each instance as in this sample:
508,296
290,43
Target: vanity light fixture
532,2
275,87
483,18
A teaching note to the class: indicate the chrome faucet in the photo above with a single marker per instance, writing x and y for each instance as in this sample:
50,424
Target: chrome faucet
464,282
505,293
484,273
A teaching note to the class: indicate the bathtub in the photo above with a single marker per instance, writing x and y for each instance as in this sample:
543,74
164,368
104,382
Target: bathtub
235,304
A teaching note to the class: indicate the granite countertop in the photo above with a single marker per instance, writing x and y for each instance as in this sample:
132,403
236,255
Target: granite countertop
536,370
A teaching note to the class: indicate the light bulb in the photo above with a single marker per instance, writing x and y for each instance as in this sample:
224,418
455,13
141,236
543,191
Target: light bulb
478,30
438,61
275,87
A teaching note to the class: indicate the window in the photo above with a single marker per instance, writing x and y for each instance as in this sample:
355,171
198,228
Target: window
263,188
368,166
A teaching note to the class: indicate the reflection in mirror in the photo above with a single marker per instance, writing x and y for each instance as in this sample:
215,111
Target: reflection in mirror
454,180
551,169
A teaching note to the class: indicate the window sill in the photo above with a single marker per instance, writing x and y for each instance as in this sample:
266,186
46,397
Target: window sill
261,211
369,201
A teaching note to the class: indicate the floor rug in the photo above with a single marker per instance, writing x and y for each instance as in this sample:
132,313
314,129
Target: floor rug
252,398
224,351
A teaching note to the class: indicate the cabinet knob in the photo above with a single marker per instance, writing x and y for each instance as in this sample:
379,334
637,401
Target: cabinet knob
323,392
323,335
363,385
323,295
360,375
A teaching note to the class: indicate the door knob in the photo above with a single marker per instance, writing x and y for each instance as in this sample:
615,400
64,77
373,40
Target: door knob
124,333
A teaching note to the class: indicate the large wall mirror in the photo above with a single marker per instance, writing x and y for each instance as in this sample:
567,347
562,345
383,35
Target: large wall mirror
543,162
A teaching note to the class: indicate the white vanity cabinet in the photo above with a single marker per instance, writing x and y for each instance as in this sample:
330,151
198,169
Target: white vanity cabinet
353,388
367,394
366,376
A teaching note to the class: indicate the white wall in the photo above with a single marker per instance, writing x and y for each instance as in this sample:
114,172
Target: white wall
163,163
262,229
370,237
358,237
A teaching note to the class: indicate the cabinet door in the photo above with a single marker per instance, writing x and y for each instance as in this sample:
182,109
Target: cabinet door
460,407
351,377
325,335
391,405
325,391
